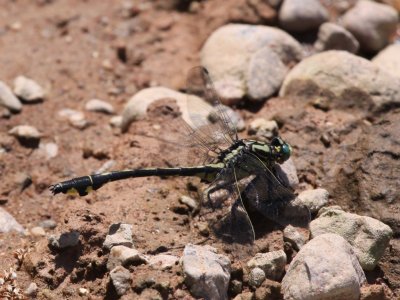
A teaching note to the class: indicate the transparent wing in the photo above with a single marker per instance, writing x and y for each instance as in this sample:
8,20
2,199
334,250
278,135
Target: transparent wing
268,196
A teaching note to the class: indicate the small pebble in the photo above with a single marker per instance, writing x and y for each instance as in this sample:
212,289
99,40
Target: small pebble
51,149
37,231
294,237
121,279
263,128
190,202
27,89
8,99
49,224
122,256
257,277
163,261
116,121
64,240
99,106
119,234
32,290
83,292
75,118
25,132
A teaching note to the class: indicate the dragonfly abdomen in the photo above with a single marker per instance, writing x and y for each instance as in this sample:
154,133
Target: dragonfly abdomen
84,185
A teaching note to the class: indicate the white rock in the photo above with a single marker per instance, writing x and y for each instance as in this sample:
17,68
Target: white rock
25,132
83,292
294,237
334,37
50,149
231,55
313,199
99,106
287,173
272,263
75,118
116,121
121,279
37,231
7,98
389,59
8,223
302,15
122,256
190,202
342,77
119,234
326,268
257,277
137,106
369,237
206,273
31,290
373,24
263,128
28,89
163,261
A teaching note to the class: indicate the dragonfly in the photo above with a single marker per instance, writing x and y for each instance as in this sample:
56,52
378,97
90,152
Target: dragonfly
241,174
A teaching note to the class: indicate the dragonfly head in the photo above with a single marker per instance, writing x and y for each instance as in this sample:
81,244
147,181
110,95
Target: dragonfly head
280,150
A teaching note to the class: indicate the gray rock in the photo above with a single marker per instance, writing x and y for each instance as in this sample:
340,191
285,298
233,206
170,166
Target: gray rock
119,234
389,59
263,129
294,237
231,55
343,80
206,273
25,132
49,223
272,263
287,173
121,280
325,268
257,277
334,37
302,15
99,106
8,223
373,24
7,98
313,199
261,83
163,261
64,240
28,89
123,256
31,290
369,237
50,149
137,106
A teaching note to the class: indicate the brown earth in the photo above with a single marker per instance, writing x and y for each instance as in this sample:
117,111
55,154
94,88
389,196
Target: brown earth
79,50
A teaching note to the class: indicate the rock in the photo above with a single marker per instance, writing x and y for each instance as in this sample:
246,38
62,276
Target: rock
8,223
123,256
116,121
83,292
287,173
313,199
302,15
334,37
389,59
190,202
99,106
119,234
37,231
75,118
263,129
28,89
206,273
50,149
137,106
369,237
25,132
238,57
261,83
244,296
373,24
294,237
121,280
272,263
64,240
31,290
235,287
49,223
325,268
342,79
7,98
234,117
163,261
257,277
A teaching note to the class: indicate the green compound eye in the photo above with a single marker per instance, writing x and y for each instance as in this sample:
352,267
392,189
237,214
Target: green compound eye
286,151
